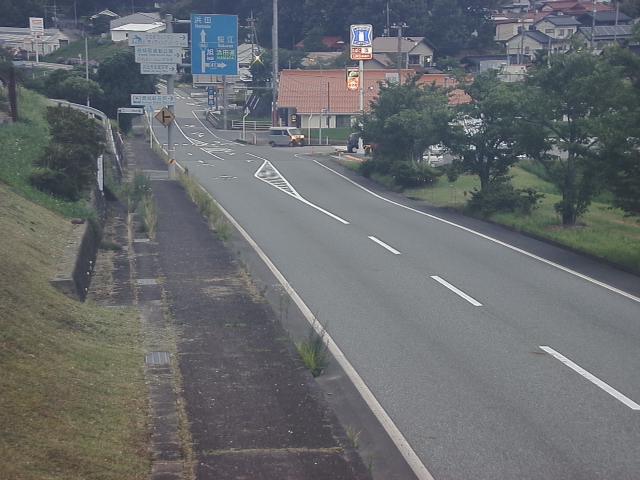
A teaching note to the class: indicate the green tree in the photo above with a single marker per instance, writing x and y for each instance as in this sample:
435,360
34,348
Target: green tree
570,105
119,76
68,166
405,119
483,139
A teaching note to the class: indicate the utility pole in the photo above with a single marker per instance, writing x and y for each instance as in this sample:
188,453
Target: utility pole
171,149
274,81
86,66
593,24
399,27
387,29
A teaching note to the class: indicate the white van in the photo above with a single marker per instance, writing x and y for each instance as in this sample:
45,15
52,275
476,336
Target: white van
283,136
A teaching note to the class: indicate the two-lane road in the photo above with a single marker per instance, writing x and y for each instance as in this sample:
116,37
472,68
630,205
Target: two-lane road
494,363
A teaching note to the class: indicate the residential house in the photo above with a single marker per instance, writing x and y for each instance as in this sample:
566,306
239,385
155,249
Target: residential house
524,45
606,35
482,63
106,14
321,97
509,25
135,23
558,26
517,6
573,7
332,43
417,52
604,18
20,40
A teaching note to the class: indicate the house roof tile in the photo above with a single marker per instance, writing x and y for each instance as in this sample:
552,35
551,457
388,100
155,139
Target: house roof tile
311,91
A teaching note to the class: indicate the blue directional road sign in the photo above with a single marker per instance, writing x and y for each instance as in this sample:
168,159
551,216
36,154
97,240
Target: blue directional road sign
214,44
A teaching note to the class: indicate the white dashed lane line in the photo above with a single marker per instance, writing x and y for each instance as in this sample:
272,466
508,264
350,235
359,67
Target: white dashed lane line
457,291
384,245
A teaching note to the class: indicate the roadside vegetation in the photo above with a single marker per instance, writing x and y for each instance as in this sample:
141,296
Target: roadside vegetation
99,50
552,157
72,392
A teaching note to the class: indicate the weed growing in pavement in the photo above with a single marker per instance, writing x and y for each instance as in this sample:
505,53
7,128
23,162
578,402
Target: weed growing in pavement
147,210
353,436
110,246
314,352
207,207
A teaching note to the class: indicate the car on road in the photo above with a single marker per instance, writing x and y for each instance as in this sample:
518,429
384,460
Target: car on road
286,136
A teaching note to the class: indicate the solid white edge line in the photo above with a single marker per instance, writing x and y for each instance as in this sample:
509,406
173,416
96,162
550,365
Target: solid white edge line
295,193
491,239
379,412
457,291
592,378
384,245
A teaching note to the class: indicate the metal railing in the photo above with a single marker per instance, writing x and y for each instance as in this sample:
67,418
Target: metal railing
255,125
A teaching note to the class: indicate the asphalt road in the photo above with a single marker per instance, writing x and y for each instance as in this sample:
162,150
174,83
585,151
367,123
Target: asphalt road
493,363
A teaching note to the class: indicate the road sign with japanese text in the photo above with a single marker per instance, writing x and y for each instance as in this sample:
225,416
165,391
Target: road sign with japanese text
159,39
158,68
214,44
361,42
150,54
151,99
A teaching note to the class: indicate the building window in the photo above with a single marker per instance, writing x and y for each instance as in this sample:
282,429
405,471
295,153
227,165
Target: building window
414,59
549,31
343,121
561,34
527,50
427,61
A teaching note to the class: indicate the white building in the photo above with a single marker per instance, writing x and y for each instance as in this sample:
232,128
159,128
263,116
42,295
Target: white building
17,39
120,28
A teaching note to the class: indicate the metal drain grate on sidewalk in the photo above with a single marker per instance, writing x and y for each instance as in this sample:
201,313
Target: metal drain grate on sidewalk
155,359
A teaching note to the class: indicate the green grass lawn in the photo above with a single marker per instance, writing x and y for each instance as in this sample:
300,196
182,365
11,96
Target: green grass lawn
603,231
99,49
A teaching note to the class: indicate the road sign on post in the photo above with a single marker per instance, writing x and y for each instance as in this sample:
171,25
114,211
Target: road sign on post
165,117
353,78
150,54
152,100
36,25
158,68
214,44
361,42
159,39
134,110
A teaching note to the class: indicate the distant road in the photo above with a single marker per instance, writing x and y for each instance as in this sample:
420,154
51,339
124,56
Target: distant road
496,356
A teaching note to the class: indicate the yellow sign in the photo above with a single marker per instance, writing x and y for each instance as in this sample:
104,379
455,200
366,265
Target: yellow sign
353,79
165,117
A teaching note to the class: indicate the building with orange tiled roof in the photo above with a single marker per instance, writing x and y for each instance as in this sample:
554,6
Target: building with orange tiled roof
322,94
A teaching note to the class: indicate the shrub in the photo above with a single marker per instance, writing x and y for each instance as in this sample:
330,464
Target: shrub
409,174
501,196
54,182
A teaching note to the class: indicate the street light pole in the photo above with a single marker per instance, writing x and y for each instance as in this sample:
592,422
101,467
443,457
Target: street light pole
399,27
274,81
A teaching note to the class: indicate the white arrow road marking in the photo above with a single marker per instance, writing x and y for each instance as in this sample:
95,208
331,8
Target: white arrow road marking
457,291
592,378
384,245
269,174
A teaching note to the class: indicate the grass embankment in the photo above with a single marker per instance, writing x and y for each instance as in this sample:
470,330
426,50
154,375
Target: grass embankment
23,143
99,49
603,231
72,392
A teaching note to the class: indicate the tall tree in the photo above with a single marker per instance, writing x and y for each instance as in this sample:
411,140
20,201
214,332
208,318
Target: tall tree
119,76
405,119
570,105
483,139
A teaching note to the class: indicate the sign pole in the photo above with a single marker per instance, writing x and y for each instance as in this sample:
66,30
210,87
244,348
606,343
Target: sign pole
168,20
361,72
224,101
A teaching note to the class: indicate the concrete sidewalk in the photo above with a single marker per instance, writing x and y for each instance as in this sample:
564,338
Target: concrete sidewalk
254,411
